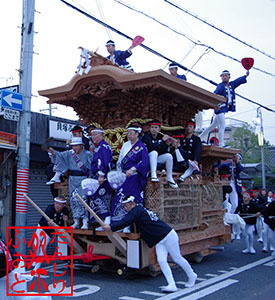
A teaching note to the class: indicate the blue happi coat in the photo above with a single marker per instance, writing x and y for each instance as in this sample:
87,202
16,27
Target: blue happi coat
222,90
134,185
120,59
101,165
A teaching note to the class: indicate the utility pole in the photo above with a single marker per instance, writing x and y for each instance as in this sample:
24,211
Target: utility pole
261,144
25,87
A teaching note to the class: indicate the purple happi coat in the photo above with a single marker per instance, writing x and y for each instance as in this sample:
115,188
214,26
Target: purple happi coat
134,185
101,165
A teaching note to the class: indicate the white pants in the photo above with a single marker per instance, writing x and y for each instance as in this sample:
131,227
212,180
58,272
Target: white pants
170,244
218,121
248,234
166,159
188,172
259,227
268,238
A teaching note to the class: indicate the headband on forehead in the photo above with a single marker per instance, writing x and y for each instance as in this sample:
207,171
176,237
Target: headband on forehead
110,42
129,199
172,65
225,72
250,194
77,130
138,129
190,123
97,130
155,123
57,199
240,156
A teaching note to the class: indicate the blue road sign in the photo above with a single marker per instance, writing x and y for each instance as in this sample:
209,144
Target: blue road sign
12,100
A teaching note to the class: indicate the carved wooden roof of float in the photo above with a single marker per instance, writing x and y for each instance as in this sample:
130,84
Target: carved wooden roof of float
111,96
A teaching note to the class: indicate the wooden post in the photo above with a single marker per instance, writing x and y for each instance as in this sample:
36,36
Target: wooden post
114,237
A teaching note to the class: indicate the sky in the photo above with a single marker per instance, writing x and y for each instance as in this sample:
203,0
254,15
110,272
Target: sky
60,30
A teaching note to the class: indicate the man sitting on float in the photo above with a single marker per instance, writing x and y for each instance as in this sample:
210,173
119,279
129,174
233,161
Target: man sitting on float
158,148
188,150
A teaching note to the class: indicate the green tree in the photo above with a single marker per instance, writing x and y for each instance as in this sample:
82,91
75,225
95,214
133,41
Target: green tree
244,138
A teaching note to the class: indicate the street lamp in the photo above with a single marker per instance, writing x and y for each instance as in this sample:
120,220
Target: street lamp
261,144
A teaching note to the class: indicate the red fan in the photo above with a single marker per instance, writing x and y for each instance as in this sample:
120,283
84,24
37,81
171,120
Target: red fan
137,41
247,62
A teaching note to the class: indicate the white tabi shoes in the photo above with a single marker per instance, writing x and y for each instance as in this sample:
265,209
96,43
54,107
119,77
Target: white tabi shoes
170,288
192,280
85,224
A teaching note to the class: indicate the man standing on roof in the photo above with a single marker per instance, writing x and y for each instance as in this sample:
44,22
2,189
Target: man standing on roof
227,89
119,57
173,69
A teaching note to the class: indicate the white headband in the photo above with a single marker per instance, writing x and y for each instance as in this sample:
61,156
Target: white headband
129,199
138,129
97,130
56,199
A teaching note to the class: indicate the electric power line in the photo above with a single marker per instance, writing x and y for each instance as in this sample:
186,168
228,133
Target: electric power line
155,52
192,40
219,29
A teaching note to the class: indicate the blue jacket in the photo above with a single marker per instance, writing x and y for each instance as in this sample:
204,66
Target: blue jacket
152,230
228,169
183,77
120,59
222,90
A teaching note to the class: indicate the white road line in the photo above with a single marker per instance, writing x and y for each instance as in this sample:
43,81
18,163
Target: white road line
210,290
211,275
130,298
270,264
201,279
152,293
233,268
222,271
216,279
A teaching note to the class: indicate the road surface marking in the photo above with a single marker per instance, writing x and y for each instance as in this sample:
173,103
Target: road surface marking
130,298
210,290
211,275
270,264
221,277
152,293
222,271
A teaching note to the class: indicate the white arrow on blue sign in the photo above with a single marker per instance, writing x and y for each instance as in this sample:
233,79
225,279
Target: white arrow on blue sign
12,100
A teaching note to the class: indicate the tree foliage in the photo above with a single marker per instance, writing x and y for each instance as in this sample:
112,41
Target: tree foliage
245,138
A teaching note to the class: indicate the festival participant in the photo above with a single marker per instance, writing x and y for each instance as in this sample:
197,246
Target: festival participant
269,221
134,161
77,131
233,169
260,201
156,233
159,152
270,196
78,161
248,210
188,150
173,69
101,165
58,213
119,57
227,89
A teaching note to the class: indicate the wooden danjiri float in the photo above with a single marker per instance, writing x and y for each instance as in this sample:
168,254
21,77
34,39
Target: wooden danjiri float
113,97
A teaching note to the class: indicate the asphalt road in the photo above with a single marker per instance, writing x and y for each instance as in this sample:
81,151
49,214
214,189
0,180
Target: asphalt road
226,275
